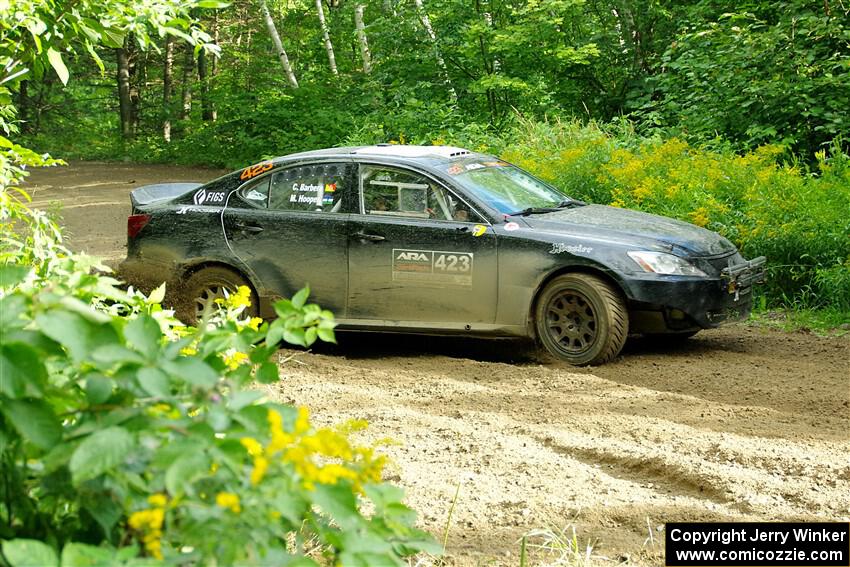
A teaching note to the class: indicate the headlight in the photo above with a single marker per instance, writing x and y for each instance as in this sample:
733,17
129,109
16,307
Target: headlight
661,263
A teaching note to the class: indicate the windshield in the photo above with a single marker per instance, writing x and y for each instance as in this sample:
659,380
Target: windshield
504,187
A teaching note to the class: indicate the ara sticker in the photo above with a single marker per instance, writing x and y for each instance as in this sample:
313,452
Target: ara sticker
455,169
203,197
432,267
255,195
473,166
511,226
559,247
478,230
330,187
255,170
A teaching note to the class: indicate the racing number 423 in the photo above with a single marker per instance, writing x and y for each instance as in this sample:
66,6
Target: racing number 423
459,263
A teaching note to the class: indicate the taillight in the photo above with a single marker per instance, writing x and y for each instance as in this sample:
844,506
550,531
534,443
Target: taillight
135,223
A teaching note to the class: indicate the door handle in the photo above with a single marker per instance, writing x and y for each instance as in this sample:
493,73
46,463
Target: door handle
370,237
249,227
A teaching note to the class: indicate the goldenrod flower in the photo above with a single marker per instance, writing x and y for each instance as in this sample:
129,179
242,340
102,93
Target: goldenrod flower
234,359
255,323
159,500
261,464
252,446
228,500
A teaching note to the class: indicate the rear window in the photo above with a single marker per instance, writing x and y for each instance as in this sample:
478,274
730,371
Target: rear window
316,188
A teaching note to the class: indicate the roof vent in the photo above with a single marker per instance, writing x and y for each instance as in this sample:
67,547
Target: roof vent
460,153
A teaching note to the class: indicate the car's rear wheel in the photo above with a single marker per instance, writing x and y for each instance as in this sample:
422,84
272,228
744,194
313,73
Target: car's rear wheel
205,286
581,319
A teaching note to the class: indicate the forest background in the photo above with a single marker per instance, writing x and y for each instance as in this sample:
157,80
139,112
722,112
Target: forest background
730,115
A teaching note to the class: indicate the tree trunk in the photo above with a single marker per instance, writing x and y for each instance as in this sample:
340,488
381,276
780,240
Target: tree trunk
327,37
204,82
188,73
167,88
124,104
24,106
138,80
214,68
441,63
281,54
361,38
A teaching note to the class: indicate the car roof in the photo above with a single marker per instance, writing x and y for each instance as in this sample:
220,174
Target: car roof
402,151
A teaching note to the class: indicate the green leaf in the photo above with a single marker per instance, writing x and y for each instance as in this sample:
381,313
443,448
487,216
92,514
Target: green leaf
327,335
244,398
193,371
155,382
157,295
105,510
295,336
29,553
35,421
75,333
300,298
338,501
213,4
82,555
55,59
143,334
98,388
267,373
310,335
100,452
112,38
275,333
20,366
184,471
13,274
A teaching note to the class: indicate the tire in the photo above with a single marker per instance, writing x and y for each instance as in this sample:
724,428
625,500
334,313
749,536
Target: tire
207,285
581,319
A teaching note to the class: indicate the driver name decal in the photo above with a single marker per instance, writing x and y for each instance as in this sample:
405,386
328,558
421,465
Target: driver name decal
432,267
559,247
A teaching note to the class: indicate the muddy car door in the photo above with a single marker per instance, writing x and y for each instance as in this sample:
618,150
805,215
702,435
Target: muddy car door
290,228
419,255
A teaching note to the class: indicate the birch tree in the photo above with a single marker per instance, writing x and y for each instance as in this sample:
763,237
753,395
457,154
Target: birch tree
167,87
441,63
327,37
278,46
361,39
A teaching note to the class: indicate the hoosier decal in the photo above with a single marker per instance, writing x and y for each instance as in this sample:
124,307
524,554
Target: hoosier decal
432,266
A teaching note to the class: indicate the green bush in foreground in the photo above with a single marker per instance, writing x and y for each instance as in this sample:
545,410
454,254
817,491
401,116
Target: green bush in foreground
129,439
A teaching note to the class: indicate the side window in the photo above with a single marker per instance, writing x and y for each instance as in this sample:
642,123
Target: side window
257,194
395,192
317,187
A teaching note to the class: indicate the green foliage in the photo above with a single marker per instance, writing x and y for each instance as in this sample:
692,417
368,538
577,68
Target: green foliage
122,428
781,78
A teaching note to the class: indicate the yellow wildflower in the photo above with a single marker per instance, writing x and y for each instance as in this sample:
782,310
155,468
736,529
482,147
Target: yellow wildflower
149,524
159,500
255,323
228,500
252,446
261,464
188,351
280,438
234,359
302,422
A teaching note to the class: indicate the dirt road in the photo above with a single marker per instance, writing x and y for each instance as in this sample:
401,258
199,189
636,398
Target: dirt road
739,423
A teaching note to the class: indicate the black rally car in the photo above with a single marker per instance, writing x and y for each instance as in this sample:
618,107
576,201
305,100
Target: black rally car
436,240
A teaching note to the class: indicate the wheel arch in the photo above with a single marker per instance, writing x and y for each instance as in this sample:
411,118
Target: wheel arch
201,264
589,269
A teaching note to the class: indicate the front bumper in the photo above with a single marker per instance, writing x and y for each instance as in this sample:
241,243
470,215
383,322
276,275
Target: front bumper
676,303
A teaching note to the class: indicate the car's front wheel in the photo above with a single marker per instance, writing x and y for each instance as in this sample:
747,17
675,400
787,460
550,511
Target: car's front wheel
204,287
581,319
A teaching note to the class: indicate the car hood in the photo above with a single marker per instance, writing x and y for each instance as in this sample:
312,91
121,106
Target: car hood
632,228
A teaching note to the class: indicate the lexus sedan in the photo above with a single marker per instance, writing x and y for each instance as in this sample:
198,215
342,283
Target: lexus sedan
435,240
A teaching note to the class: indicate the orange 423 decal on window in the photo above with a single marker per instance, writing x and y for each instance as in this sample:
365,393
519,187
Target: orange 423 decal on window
255,170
